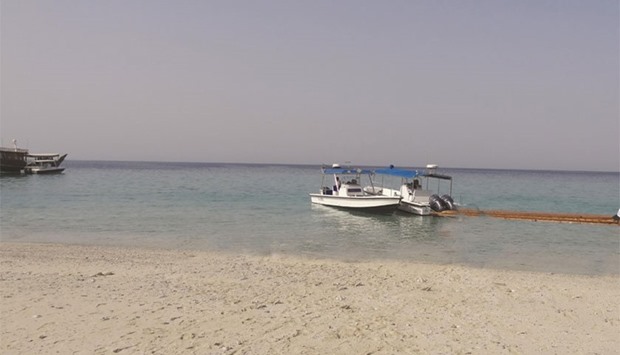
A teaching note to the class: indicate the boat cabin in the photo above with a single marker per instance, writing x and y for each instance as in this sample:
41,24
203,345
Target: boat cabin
345,183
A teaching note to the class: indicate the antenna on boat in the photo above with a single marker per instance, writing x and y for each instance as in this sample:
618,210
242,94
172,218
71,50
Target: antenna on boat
15,144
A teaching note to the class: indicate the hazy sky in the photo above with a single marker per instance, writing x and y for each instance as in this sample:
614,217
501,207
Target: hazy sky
476,84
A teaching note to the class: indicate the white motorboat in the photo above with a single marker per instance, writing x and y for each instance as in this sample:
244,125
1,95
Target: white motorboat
341,187
414,191
45,163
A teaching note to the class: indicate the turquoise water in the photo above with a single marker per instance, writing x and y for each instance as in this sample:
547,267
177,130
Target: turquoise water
265,209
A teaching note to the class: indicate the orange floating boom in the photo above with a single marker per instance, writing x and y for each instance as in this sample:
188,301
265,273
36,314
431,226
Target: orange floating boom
535,216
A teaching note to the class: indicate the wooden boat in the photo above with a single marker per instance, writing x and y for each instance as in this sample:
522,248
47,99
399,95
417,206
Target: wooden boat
13,160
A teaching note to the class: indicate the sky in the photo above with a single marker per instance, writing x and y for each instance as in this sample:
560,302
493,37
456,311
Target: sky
531,84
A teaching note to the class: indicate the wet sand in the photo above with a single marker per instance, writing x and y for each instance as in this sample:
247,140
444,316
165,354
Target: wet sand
103,300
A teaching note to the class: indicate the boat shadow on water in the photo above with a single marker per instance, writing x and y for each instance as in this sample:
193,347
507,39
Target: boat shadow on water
394,224
359,236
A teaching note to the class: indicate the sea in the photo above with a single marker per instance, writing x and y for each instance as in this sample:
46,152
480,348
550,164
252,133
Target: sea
264,209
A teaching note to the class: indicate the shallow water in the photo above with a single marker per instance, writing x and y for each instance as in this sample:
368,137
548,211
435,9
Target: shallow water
265,209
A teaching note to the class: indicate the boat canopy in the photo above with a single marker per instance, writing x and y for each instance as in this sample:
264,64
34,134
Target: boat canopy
44,155
403,173
343,171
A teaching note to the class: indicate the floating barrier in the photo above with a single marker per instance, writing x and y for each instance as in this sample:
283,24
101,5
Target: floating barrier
534,216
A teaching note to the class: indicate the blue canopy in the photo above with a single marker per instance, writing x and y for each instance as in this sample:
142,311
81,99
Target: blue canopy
403,173
350,171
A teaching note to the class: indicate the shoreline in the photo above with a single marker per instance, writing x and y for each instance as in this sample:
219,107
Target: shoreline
96,299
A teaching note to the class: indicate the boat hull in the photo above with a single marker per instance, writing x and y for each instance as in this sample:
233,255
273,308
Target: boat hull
41,171
362,203
413,207
11,169
420,210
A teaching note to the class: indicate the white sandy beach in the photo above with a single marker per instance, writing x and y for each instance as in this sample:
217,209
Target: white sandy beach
84,300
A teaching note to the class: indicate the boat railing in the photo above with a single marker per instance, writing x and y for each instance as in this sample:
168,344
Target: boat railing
14,150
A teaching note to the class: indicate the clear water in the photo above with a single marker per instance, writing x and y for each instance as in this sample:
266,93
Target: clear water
265,209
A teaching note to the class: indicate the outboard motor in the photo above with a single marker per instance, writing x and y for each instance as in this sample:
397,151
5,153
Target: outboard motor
437,204
448,201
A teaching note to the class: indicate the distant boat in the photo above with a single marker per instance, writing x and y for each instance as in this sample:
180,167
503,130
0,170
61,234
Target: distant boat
415,195
345,191
13,160
45,163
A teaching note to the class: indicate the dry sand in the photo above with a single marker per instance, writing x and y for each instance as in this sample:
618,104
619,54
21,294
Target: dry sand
96,300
